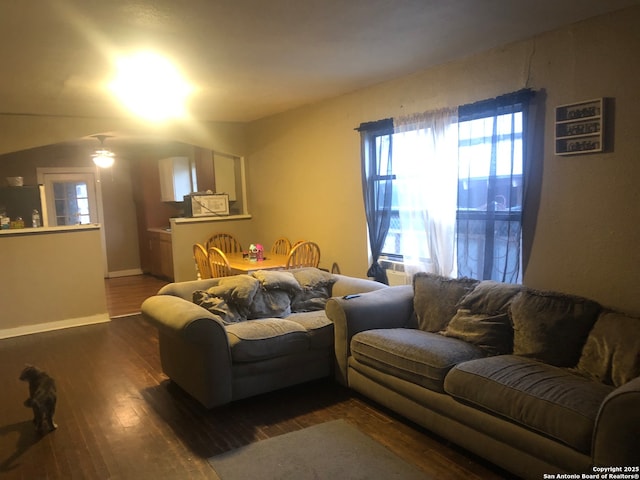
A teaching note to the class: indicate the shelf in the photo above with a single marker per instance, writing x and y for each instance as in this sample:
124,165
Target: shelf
579,128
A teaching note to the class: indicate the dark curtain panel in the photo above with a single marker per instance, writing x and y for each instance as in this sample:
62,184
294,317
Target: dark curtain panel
376,147
490,203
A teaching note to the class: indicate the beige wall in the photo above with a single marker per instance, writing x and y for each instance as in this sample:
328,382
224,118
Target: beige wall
184,235
117,188
588,222
51,280
303,167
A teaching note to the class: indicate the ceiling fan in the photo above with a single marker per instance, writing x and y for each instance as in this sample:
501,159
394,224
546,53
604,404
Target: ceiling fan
103,158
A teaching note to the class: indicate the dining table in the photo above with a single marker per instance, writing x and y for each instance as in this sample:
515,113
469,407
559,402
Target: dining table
240,263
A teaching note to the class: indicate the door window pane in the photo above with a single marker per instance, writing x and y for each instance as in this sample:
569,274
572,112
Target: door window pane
71,202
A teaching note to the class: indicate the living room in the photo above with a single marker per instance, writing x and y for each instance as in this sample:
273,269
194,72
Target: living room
581,235
575,238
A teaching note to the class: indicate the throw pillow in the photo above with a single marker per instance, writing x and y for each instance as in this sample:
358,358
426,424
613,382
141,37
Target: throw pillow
311,300
240,288
612,352
316,289
435,299
492,333
490,297
310,277
275,279
551,327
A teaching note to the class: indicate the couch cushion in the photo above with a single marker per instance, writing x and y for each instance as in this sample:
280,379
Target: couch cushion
547,399
436,298
419,357
612,352
492,333
317,325
550,326
255,340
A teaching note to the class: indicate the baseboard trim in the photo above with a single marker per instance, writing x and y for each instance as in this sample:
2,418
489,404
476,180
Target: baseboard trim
50,326
125,273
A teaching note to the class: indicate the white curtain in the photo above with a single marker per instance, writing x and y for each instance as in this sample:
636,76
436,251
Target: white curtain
425,156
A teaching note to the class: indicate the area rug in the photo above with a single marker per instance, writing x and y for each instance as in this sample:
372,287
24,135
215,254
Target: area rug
332,450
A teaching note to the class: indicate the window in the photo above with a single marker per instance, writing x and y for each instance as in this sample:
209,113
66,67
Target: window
70,195
456,186
72,203
490,194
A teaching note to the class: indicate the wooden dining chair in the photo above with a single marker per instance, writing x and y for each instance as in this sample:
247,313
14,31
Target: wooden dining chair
305,254
225,242
218,263
201,258
281,246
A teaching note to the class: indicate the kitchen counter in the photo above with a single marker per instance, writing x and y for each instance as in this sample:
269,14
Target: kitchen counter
161,230
41,230
52,277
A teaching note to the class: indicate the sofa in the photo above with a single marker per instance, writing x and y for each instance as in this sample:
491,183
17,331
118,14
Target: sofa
228,338
535,382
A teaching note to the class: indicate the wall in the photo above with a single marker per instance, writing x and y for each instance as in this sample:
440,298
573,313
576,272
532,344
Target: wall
584,228
118,189
51,280
184,235
303,167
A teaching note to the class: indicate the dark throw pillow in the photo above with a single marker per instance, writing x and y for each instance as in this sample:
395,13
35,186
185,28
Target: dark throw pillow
492,333
550,326
435,299
612,352
490,297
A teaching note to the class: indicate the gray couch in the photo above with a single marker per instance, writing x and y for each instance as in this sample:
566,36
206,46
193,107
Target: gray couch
229,338
535,382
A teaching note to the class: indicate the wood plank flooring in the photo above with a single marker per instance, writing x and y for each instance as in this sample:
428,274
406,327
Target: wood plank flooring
120,418
126,294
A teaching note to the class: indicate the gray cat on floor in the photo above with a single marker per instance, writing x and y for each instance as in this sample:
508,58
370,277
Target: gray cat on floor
42,398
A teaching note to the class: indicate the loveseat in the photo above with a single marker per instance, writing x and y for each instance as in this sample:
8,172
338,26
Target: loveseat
228,338
535,382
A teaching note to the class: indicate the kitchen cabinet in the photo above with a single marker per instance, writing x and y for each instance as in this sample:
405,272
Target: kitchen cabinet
161,254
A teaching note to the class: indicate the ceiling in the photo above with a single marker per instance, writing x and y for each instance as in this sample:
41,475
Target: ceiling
250,58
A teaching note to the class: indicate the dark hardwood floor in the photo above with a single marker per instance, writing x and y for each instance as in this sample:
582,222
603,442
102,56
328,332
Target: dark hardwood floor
120,418
126,294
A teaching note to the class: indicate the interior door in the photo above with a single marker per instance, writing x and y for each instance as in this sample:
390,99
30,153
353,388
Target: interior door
71,198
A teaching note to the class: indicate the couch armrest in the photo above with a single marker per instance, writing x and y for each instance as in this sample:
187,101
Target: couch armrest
615,438
346,285
194,350
185,289
184,318
390,307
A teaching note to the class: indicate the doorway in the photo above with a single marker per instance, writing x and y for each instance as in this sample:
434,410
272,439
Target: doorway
72,196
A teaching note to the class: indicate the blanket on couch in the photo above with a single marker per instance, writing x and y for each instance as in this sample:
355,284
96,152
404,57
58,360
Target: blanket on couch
266,294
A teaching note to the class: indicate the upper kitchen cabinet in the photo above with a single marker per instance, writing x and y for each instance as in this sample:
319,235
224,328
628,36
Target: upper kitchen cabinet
176,178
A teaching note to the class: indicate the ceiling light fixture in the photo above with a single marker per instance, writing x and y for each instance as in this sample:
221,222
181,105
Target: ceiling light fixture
103,158
151,87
